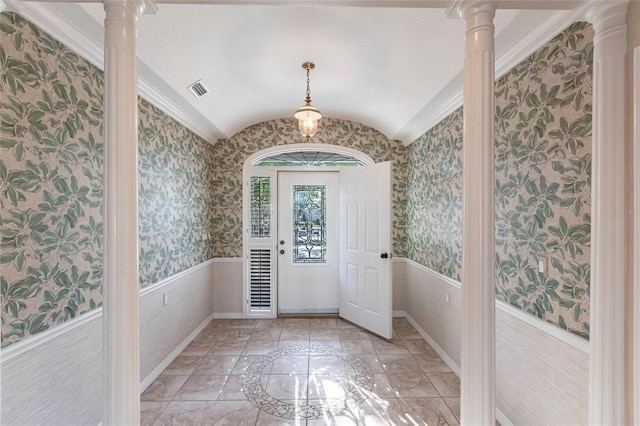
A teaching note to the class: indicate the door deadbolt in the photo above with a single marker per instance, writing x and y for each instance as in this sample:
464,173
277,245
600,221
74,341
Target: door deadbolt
281,242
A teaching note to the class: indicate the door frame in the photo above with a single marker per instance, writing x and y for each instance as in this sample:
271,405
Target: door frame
250,169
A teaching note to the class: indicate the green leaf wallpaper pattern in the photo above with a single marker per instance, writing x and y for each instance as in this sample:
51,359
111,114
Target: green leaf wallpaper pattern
543,185
230,155
51,171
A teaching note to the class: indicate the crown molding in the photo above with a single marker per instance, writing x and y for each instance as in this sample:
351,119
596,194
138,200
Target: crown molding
450,98
51,21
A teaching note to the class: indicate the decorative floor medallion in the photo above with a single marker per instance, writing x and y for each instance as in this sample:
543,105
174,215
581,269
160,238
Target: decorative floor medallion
360,384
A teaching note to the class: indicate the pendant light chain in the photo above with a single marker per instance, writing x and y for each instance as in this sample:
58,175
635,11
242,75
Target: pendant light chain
308,100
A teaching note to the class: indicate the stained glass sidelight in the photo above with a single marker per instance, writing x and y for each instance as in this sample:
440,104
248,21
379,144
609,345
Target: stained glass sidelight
260,207
309,224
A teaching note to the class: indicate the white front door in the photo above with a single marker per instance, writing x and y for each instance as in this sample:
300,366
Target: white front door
307,246
365,247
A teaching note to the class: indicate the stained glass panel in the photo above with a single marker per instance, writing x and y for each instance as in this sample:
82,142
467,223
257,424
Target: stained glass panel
309,224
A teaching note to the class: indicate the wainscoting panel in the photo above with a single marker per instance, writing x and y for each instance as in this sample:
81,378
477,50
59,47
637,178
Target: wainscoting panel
542,372
540,378
163,328
56,381
227,287
435,304
399,280
55,377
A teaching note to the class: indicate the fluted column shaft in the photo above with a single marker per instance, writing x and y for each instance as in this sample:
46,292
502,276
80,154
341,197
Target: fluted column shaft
120,279
478,237
607,366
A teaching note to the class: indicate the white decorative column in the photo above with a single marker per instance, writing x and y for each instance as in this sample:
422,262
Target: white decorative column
120,272
477,406
636,226
607,361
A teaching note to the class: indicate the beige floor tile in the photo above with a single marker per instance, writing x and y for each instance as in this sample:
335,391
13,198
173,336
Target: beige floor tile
331,343
412,386
265,334
235,334
233,413
163,388
287,387
282,343
291,365
217,364
259,347
228,347
454,406
387,412
296,323
324,364
294,333
447,384
182,366
185,413
431,364
419,347
244,361
269,323
428,411
201,387
384,347
403,392
197,348
150,411
232,390
353,334
266,419
382,387
358,346
324,334
399,364
322,323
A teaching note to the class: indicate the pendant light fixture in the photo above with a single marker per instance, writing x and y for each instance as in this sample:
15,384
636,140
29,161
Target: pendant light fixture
308,115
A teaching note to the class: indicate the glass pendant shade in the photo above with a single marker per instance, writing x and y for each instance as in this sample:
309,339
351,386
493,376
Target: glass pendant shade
308,117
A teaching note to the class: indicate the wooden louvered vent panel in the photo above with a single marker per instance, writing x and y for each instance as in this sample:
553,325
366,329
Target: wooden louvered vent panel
260,279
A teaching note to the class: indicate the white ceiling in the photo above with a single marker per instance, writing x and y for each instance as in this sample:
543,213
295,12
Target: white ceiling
383,67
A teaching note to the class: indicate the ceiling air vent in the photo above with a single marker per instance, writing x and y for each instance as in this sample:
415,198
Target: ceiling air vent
198,89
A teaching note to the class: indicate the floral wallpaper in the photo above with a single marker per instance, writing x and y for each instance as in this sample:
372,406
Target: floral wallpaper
434,194
543,185
51,171
231,153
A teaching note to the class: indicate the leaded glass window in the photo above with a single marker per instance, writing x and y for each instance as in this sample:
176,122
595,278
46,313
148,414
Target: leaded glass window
260,207
309,224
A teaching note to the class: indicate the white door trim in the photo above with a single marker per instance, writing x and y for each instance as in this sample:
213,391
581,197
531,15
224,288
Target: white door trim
249,169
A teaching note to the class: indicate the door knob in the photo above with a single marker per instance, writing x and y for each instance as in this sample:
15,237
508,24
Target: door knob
281,251
384,255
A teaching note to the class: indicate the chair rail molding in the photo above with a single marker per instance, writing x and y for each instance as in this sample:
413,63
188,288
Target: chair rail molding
607,366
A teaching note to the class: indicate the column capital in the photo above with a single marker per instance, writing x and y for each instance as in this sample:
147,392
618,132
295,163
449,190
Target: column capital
143,7
606,14
462,9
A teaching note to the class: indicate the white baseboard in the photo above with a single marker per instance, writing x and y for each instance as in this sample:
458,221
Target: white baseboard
500,417
441,352
144,384
227,315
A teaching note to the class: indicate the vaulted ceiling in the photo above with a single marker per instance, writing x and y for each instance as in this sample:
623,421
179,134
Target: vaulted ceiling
389,68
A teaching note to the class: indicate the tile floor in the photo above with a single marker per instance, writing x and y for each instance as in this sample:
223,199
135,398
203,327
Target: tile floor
299,371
